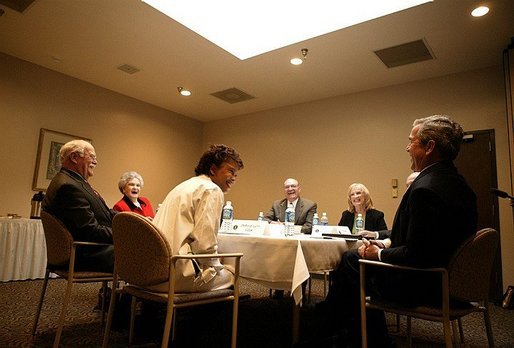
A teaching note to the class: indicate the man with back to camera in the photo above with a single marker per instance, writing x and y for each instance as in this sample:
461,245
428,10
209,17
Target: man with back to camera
190,216
72,200
304,208
436,215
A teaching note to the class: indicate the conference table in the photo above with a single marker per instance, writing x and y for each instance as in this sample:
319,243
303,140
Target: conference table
284,263
22,249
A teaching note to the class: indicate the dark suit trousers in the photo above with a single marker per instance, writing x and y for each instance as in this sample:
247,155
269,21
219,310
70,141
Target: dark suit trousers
99,259
343,302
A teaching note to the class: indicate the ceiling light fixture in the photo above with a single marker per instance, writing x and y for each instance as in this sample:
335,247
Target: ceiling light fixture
184,92
298,61
238,26
480,11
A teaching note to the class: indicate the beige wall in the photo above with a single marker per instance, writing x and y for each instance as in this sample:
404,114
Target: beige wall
326,144
127,134
331,143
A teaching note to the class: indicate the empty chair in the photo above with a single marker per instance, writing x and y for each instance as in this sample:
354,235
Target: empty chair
143,258
466,279
61,251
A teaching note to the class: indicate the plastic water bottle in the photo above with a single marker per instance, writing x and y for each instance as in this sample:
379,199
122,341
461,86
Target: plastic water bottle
324,219
227,215
359,223
261,216
315,219
289,221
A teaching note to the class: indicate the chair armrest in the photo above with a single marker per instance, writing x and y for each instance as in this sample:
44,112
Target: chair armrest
206,256
76,243
365,262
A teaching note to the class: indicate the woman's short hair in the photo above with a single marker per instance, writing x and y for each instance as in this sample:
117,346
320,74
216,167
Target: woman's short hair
126,177
72,146
368,202
446,133
217,154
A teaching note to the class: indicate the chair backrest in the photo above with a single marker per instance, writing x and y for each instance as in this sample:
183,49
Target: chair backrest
141,252
470,267
58,240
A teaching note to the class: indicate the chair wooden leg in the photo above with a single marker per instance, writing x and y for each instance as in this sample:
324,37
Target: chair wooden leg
40,305
167,324
110,315
62,317
409,331
310,290
104,297
235,313
488,327
455,333
397,323
461,330
362,284
132,319
447,334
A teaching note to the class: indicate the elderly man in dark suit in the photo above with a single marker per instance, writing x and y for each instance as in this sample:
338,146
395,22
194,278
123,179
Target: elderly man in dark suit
72,200
436,215
304,208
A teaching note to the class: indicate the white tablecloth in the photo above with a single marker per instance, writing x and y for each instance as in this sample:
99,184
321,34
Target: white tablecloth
22,249
284,262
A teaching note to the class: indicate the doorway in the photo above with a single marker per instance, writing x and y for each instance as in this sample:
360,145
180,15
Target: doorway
476,162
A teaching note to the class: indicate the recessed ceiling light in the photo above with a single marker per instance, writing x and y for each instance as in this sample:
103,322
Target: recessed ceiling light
184,92
298,61
480,11
249,28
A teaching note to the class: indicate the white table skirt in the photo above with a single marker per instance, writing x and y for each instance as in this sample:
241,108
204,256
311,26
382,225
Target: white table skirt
284,262
22,249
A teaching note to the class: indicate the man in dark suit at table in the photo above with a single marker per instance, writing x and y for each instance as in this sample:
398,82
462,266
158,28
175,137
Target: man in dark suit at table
436,215
71,199
304,208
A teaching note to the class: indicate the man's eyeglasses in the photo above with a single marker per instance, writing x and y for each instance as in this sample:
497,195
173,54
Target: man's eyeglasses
90,155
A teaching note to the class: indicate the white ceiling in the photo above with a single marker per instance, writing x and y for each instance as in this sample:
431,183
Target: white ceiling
91,38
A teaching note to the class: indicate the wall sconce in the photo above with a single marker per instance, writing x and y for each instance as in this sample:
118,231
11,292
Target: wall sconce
184,92
298,61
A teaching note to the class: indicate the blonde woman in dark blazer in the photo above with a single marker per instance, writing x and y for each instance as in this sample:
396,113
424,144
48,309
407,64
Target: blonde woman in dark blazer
360,202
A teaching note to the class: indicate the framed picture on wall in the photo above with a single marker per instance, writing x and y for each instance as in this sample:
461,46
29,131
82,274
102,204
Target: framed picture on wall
47,161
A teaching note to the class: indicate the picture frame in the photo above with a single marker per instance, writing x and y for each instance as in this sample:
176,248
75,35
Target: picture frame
47,160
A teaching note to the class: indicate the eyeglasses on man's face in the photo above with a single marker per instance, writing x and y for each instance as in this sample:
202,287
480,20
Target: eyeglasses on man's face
90,155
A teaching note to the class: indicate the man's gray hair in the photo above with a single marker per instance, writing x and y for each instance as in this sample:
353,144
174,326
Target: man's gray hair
126,177
446,133
72,146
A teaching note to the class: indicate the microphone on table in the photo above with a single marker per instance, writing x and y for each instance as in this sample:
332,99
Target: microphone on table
501,194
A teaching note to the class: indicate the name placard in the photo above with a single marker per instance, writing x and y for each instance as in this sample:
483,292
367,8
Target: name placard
318,230
247,227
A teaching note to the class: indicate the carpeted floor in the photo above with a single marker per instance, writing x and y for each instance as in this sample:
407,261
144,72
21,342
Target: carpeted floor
263,322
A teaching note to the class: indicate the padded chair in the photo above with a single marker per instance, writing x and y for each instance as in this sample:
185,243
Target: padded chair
326,282
466,279
143,258
61,251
